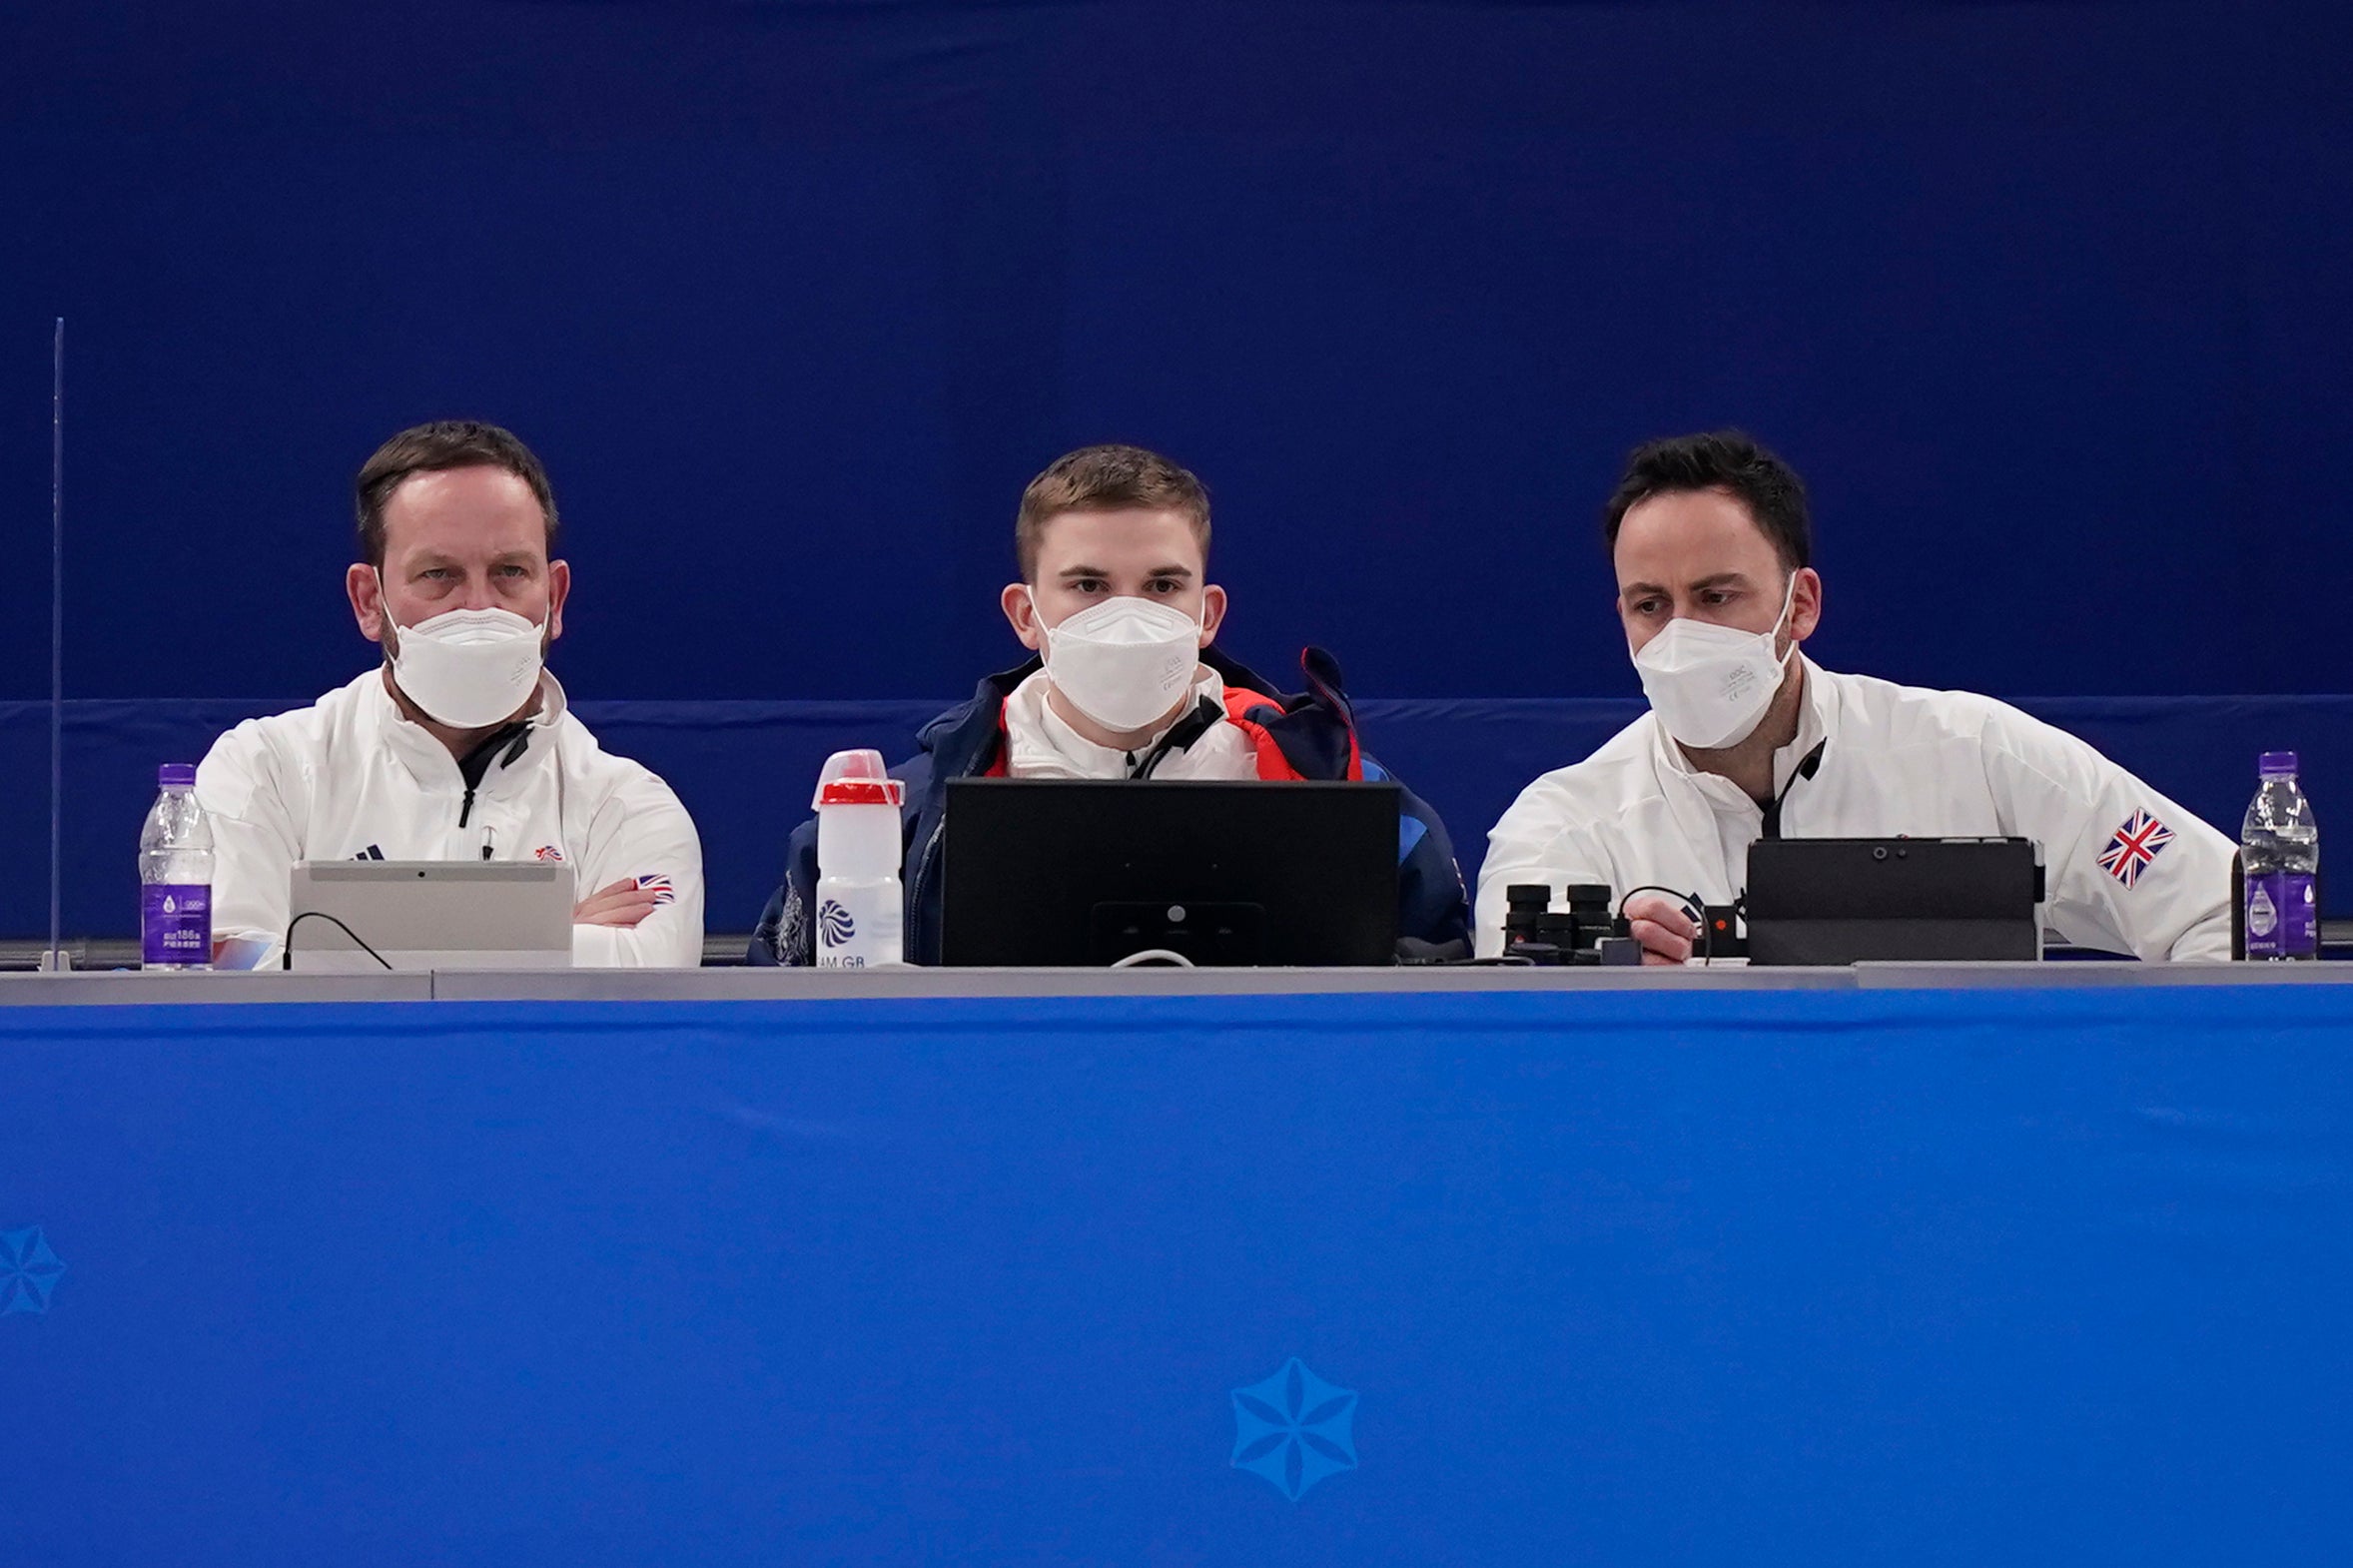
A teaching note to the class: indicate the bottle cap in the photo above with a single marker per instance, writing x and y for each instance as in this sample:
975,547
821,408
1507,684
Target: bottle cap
176,775
858,778
2279,765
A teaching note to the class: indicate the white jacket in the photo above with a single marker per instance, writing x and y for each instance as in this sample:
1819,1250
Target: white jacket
353,777
1894,760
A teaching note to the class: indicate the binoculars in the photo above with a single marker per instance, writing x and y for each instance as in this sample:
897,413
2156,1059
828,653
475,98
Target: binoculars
1589,933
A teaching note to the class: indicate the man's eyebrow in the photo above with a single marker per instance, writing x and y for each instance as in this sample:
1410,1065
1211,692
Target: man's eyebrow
1171,570
429,558
1635,590
1721,580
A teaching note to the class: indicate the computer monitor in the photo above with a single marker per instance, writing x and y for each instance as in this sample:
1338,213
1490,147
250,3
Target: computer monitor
1071,873
1849,901
428,913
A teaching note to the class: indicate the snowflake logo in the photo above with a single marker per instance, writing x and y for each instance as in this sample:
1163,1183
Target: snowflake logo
1294,1429
28,1271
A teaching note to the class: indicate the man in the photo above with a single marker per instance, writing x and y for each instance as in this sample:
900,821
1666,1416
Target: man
1747,739
1112,544
459,745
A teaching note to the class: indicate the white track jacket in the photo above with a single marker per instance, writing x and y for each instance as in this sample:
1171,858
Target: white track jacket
1893,760
353,777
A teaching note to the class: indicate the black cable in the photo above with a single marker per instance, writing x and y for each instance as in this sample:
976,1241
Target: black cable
286,959
1806,769
1693,905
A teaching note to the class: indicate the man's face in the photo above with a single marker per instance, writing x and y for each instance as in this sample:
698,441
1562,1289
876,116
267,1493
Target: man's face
1085,558
460,539
1699,556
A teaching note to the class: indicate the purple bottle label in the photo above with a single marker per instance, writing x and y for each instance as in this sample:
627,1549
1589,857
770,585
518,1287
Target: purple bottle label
2283,920
176,923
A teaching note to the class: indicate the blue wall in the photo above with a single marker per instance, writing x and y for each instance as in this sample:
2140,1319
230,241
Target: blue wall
2049,302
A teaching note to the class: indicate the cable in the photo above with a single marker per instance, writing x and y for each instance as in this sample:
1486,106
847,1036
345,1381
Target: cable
1145,956
1693,905
286,959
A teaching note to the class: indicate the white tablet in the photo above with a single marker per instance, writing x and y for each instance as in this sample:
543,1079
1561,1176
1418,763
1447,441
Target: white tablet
429,914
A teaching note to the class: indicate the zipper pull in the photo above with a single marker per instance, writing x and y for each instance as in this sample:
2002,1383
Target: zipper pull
489,833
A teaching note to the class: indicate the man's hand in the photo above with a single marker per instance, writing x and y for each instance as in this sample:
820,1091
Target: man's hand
1663,925
623,904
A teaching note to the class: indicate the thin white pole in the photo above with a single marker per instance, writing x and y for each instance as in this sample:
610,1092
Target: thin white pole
56,636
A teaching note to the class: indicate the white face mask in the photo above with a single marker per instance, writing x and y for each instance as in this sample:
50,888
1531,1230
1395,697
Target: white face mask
468,668
1123,662
1710,685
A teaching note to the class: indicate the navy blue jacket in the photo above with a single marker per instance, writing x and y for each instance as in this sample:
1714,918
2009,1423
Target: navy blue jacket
1313,730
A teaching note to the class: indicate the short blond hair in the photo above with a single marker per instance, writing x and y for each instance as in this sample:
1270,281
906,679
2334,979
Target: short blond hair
1107,478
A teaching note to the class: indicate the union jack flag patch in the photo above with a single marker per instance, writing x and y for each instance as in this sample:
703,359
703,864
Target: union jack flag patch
548,852
2137,844
662,891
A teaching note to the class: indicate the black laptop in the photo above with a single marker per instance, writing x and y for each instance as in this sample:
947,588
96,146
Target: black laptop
1071,873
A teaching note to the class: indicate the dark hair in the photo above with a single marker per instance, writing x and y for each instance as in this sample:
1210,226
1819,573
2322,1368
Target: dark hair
1729,460
1107,478
426,449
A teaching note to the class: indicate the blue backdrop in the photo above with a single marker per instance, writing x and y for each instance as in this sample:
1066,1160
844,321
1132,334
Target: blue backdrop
2048,301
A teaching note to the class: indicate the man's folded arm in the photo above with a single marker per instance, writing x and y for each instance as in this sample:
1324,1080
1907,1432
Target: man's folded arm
643,834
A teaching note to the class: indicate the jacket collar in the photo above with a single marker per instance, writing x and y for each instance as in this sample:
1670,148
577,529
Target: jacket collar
426,760
1045,745
1817,721
967,737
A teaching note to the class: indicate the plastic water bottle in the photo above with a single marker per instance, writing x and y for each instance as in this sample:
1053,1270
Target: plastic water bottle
861,909
2279,844
176,876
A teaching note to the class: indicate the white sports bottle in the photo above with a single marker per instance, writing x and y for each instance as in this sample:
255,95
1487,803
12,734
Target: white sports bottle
861,907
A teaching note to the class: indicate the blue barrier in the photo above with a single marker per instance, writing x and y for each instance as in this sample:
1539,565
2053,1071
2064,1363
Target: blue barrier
1629,1279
